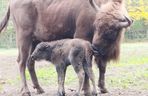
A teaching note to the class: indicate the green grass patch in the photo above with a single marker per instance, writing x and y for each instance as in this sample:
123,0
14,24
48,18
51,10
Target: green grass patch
48,75
132,54
8,52
1,87
127,77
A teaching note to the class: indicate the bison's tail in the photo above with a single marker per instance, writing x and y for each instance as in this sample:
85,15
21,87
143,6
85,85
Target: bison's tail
5,20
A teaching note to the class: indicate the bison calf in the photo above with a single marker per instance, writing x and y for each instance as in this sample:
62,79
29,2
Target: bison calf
61,53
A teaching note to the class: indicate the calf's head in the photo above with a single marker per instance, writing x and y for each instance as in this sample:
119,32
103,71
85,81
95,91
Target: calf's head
111,20
41,52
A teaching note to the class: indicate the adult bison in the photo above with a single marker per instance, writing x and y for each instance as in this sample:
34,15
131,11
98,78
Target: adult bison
48,20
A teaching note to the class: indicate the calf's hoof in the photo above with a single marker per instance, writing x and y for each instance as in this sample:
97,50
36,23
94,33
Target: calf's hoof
25,92
87,94
103,90
61,94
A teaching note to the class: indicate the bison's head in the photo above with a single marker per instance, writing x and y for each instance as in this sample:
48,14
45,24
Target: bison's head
41,52
109,24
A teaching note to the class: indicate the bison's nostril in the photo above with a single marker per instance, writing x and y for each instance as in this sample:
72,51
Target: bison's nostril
132,21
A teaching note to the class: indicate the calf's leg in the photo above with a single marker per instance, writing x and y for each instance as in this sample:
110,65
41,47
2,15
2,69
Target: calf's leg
81,75
86,85
92,78
87,65
61,71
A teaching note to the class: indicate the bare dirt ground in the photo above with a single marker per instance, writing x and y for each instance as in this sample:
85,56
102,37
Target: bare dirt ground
9,71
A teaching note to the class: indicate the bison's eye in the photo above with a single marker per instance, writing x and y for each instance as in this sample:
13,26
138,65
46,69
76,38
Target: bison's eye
41,49
110,35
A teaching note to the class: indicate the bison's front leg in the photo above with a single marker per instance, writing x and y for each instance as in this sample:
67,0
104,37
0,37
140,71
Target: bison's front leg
102,69
33,76
61,70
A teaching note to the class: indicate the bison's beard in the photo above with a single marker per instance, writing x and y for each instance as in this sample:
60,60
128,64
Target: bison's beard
110,51
114,49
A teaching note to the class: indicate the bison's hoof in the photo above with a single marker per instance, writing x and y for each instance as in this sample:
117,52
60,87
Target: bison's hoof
61,94
103,90
26,94
40,90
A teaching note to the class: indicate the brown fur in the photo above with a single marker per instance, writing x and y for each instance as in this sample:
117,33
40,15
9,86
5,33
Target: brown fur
48,20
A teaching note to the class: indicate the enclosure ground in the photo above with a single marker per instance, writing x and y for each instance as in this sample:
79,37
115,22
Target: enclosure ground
122,79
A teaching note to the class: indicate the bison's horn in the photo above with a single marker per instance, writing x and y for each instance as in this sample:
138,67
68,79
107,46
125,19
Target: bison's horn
94,5
123,24
130,21
126,23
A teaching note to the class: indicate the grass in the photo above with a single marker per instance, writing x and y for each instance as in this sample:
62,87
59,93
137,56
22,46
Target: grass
8,52
47,75
133,54
127,77
1,87
130,72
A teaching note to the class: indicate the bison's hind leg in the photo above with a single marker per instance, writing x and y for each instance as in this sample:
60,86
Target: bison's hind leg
23,47
24,21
